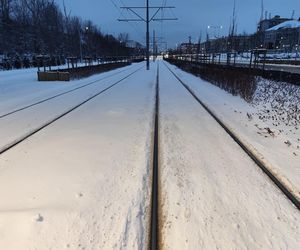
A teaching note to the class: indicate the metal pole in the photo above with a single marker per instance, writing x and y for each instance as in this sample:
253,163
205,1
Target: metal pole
153,45
80,45
147,20
147,34
298,43
251,56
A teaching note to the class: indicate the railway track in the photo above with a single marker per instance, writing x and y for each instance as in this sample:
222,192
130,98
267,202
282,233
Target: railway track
154,239
58,117
279,183
59,95
154,216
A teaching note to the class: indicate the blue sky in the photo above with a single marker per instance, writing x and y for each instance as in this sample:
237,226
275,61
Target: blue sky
194,16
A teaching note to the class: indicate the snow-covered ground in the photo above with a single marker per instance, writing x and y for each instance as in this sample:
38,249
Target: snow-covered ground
84,182
16,125
20,87
213,195
280,148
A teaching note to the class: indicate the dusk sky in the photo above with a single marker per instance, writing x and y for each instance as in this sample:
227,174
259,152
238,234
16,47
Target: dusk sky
193,16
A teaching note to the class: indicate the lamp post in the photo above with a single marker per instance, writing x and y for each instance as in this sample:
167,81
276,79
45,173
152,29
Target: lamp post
87,44
216,36
80,42
218,27
298,43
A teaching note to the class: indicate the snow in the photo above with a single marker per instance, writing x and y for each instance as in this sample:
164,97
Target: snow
20,87
286,25
214,196
24,122
84,182
234,111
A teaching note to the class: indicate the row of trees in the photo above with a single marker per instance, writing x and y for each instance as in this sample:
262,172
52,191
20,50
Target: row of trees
42,27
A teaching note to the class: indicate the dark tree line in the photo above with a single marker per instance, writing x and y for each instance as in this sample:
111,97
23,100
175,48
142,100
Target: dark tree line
31,27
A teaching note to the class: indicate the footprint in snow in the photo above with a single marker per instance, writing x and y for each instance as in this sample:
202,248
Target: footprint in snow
79,195
39,218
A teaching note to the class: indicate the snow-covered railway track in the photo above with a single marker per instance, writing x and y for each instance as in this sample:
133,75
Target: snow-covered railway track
154,234
33,104
9,145
288,192
85,181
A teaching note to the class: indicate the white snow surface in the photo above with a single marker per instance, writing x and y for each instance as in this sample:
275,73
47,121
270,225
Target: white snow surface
286,25
213,195
84,182
20,87
232,110
27,120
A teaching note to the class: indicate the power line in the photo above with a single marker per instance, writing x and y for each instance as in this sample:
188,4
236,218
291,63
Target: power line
149,18
137,28
132,26
162,31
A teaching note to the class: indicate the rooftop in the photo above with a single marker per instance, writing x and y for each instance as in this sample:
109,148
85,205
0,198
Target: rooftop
286,25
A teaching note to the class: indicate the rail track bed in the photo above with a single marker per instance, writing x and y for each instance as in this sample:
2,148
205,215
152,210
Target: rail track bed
138,163
21,123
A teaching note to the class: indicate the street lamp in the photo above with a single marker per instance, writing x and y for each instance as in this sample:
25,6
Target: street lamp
298,43
218,27
80,41
87,45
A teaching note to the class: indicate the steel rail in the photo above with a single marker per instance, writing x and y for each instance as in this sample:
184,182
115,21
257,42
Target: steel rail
48,123
280,184
58,95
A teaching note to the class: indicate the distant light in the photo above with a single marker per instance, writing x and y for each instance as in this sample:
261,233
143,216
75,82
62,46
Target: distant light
208,27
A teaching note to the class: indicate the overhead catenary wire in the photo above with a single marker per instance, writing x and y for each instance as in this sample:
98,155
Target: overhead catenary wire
139,33
149,18
162,31
135,24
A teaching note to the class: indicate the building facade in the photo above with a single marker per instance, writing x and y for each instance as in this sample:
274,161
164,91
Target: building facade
266,24
285,36
275,33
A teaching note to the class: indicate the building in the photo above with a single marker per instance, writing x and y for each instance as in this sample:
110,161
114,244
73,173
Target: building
188,48
133,44
284,36
266,24
273,34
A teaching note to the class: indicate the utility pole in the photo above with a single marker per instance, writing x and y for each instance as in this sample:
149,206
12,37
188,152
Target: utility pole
147,20
80,44
198,47
157,41
147,34
262,10
154,44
